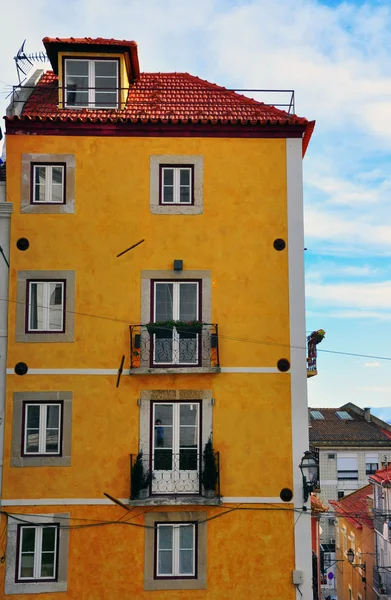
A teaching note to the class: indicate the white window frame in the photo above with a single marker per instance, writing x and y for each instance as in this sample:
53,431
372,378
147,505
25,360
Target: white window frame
42,429
91,84
176,317
37,552
160,477
48,195
176,550
177,185
46,310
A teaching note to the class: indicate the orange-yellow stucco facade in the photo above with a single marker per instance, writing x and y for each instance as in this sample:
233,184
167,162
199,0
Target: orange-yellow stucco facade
250,550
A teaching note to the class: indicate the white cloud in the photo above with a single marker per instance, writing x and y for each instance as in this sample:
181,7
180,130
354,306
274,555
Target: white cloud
372,364
355,295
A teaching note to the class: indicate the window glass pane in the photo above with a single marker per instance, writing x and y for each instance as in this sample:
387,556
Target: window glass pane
163,301
57,193
76,98
49,538
186,535
165,537
32,440
105,68
188,296
52,415
186,562
57,173
33,411
168,194
36,306
39,187
77,67
47,564
27,566
28,539
106,99
188,345
104,83
163,437
184,195
168,176
185,177
188,414
188,437
165,562
188,460
55,305
163,412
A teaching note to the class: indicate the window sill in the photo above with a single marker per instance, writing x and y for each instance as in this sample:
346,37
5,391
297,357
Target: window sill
193,500
173,371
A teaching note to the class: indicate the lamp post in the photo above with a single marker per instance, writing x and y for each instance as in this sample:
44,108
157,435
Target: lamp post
309,470
350,555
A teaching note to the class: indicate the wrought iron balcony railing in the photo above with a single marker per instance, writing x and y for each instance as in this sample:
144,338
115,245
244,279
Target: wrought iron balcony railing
382,581
157,347
173,474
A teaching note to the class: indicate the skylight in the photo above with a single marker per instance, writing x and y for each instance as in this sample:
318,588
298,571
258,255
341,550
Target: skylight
316,414
343,414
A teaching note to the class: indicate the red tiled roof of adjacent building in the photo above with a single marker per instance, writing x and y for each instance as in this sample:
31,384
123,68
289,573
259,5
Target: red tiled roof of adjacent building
165,98
383,476
354,507
333,431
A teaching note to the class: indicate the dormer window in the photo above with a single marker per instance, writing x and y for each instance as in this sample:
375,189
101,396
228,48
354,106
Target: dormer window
92,83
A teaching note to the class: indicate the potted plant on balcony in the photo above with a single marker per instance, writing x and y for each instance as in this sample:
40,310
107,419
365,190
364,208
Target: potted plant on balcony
209,473
184,327
141,479
161,329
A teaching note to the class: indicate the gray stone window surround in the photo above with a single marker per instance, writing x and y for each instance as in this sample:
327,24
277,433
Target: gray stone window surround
21,306
152,583
68,160
62,460
61,583
156,161
205,278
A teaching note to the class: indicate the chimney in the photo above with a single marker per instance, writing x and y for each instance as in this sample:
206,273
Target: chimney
367,414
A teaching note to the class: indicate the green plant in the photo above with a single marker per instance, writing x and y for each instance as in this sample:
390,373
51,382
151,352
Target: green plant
141,479
172,323
209,472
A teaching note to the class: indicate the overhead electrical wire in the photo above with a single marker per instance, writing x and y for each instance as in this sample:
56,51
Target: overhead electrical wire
222,337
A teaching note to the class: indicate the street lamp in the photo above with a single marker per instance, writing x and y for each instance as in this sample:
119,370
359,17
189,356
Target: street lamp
350,555
309,470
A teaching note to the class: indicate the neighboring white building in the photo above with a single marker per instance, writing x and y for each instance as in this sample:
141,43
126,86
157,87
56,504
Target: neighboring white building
351,445
381,482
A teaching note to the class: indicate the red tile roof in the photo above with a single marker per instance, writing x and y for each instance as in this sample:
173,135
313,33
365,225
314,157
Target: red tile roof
354,507
165,98
383,476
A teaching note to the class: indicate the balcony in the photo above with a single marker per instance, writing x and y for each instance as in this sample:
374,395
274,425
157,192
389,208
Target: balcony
158,350
382,581
379,520
176,479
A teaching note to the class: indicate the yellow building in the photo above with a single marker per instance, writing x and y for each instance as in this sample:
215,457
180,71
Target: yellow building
355,545
144,198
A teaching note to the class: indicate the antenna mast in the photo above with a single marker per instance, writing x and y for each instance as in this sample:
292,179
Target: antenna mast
24,62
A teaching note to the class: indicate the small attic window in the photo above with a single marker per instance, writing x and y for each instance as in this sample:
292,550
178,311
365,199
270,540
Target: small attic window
92,83
317,415
344,415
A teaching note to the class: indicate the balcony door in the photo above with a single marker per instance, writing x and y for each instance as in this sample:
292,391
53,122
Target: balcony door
176,448
176,301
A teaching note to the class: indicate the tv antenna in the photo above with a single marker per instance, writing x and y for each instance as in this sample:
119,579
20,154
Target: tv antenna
24,62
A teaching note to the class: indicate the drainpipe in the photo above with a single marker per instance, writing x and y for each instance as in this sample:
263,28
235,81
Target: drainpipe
5,222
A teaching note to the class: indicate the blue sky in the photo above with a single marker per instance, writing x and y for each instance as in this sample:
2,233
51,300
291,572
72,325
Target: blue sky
337,57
